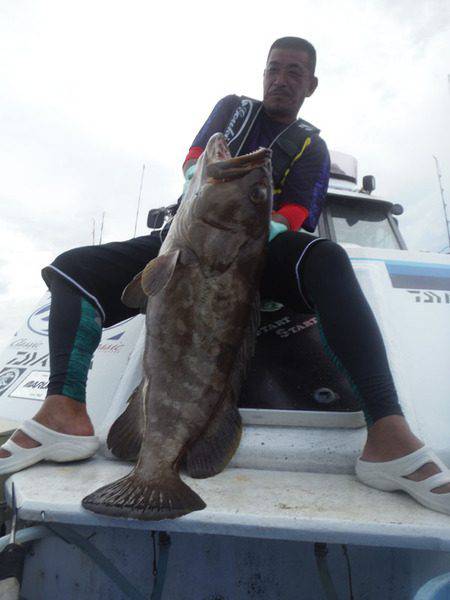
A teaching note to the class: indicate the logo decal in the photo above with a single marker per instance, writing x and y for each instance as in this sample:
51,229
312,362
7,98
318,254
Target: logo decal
8,376
26,344
38,321
240,117
30,359
33,387
430,297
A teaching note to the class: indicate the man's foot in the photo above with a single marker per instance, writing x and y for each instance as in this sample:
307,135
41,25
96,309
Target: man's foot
391,438
60,413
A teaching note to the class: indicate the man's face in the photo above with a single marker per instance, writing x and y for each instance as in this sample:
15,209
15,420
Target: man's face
287,82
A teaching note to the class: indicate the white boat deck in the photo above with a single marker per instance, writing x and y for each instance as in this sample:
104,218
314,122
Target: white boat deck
245,502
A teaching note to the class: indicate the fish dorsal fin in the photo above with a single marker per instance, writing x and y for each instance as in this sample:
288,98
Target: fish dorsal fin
158,272
214,449
133,295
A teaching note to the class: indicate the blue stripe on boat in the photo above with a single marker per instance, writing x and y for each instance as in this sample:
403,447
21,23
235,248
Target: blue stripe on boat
417,275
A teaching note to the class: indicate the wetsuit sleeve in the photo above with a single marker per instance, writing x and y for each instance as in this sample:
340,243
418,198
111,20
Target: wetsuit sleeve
303,194
216,122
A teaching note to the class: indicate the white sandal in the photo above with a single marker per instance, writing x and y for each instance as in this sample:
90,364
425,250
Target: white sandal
54,446
392,475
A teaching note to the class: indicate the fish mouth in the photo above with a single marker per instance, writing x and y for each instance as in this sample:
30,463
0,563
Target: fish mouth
221,167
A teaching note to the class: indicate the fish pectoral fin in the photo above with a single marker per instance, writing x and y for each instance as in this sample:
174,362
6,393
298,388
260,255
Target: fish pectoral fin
158,272
133,295
125,436
150,281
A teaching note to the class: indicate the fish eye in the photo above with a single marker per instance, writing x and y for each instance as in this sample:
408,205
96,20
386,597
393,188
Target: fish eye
258,193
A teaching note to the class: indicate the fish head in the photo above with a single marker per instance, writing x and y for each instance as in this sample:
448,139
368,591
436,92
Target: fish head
233,195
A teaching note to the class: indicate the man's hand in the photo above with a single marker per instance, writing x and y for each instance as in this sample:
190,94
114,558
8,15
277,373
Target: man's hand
276,227
280,219
278,224
187,166
188,175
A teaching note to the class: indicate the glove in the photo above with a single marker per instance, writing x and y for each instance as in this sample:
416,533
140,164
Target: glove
275,229
188,176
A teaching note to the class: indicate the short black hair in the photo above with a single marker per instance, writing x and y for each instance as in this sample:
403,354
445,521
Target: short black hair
296,43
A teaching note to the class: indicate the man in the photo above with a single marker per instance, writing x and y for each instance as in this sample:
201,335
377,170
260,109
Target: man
303,272
300,163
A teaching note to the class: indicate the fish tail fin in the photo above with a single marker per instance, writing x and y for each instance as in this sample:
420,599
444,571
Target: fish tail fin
164,497
210,453
125,436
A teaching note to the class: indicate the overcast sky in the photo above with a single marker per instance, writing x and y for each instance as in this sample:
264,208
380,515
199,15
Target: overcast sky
91,90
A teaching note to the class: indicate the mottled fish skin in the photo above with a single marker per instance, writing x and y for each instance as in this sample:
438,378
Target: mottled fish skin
201,289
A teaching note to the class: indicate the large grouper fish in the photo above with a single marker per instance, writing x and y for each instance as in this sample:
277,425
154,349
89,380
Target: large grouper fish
202,306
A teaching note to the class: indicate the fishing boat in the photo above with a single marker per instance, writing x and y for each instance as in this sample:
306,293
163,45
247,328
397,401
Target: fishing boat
287,520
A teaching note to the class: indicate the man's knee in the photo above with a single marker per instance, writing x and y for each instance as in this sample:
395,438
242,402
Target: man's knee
65,261
70,265
327,256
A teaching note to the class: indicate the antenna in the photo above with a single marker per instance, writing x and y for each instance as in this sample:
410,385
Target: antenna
93,232
139,200
447,222
101,228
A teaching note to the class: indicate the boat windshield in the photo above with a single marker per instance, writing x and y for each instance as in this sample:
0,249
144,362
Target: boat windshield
363,225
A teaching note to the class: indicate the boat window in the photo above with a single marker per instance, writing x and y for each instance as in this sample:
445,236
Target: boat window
364,225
